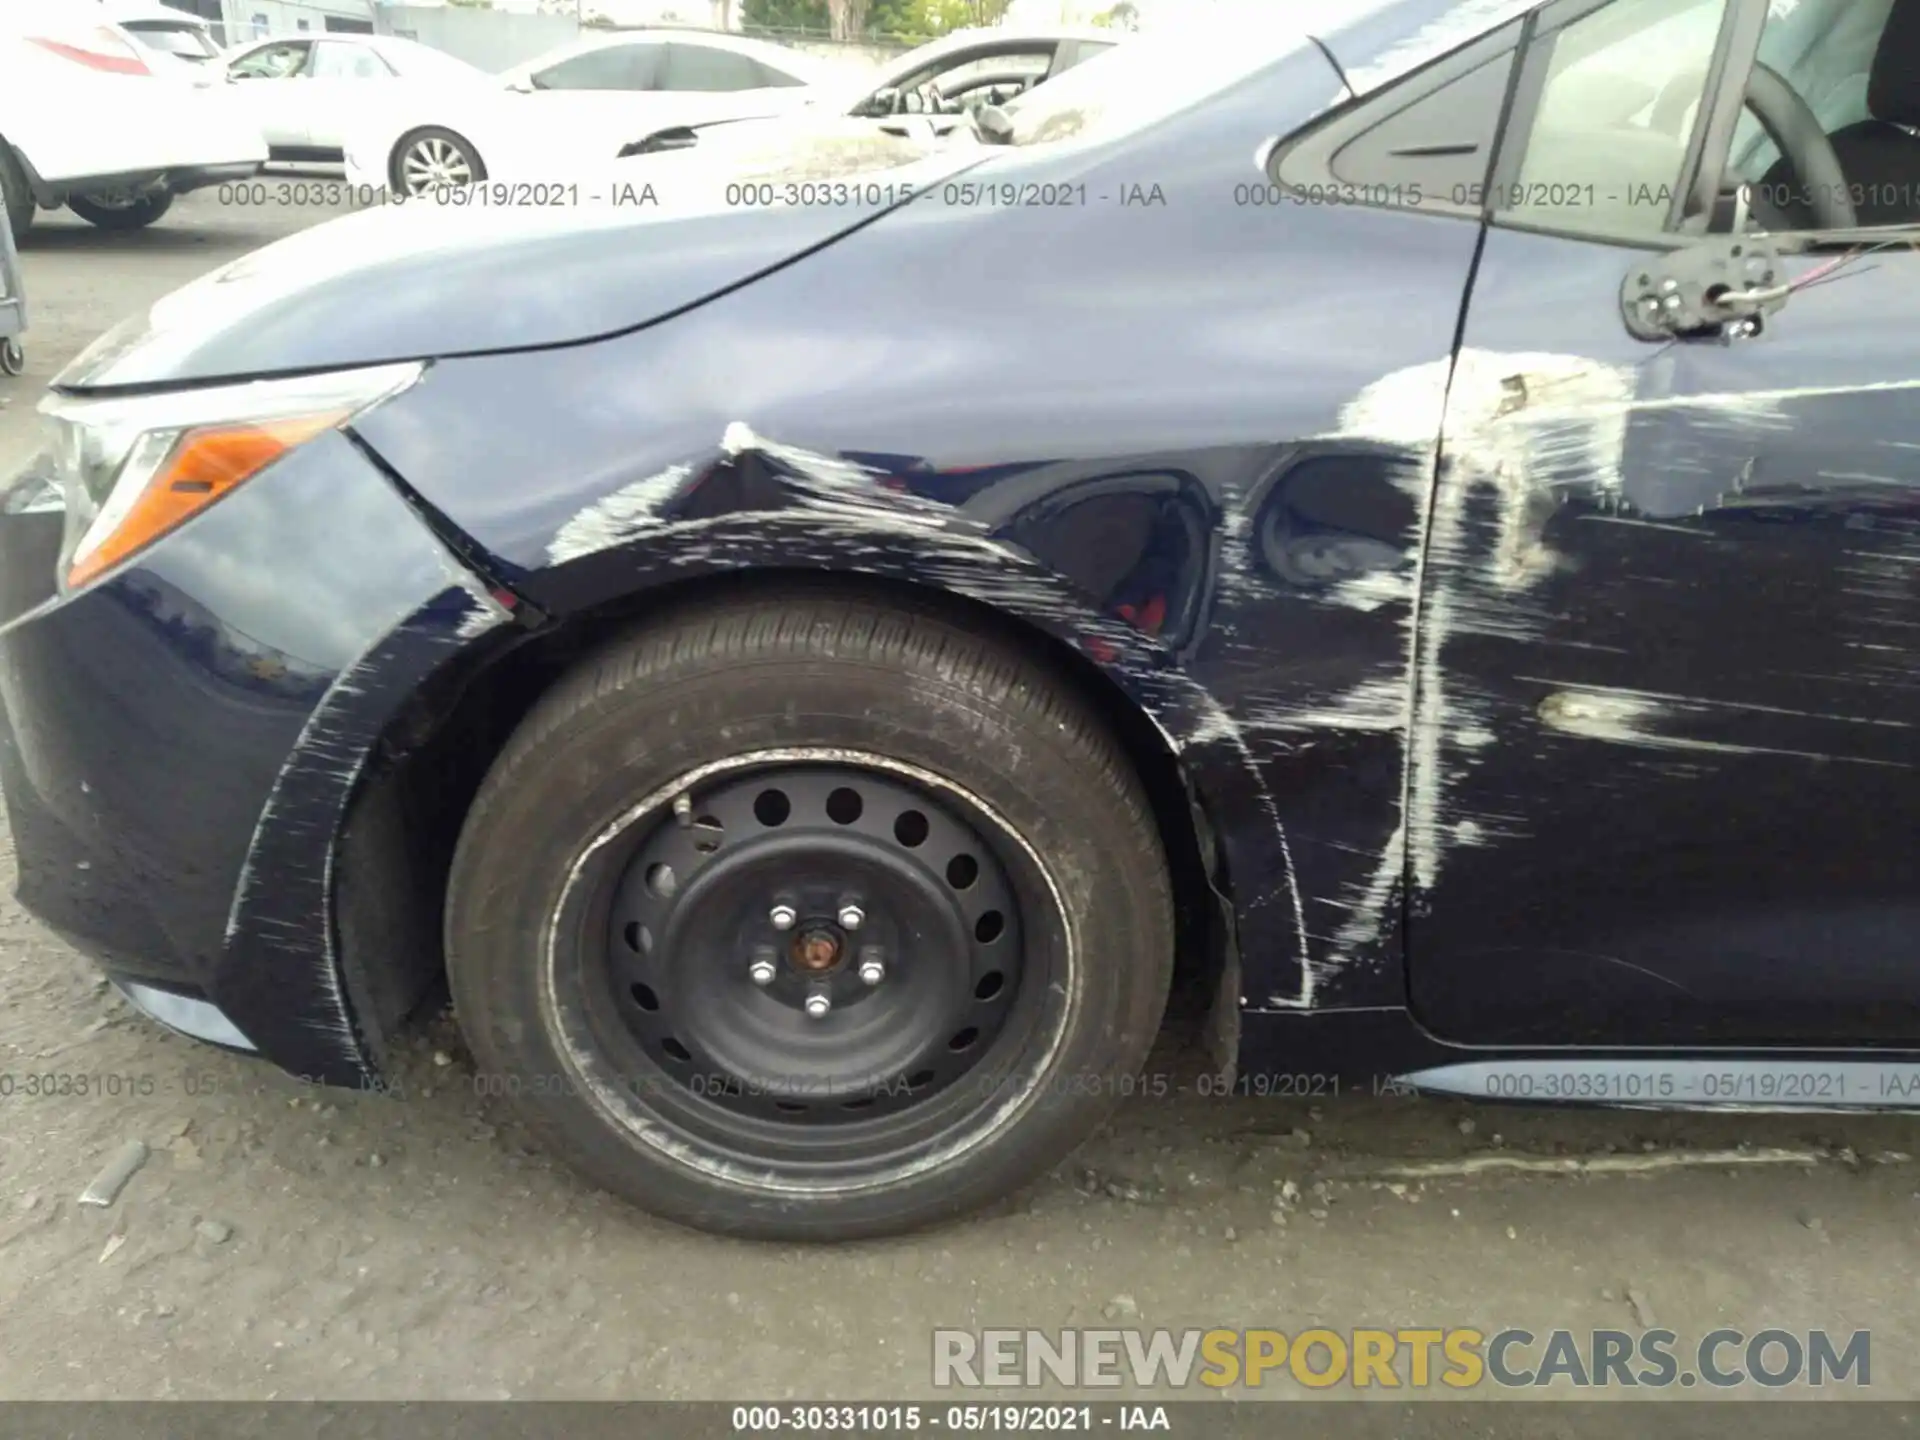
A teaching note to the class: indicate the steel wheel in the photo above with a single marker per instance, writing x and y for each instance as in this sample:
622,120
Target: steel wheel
711,971
808,951
806,917
434,160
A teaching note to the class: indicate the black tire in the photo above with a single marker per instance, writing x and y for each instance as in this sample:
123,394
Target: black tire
17,195
136,214
716,681
455,149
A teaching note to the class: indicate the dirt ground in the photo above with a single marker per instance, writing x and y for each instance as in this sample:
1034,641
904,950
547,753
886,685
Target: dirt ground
286,1242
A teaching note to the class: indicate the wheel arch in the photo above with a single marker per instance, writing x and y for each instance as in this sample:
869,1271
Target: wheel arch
396,843
44,195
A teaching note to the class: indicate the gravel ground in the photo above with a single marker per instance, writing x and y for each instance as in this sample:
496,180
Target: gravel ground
286,1242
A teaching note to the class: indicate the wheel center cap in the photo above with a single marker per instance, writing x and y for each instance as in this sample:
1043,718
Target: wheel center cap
816,949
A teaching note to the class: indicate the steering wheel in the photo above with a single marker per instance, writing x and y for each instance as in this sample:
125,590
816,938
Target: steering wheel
1795,130
1792,126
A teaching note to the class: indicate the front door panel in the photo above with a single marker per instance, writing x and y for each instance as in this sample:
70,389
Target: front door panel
1670,680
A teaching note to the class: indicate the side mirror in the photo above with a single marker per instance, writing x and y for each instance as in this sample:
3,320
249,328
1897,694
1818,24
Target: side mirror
521,87
1720,288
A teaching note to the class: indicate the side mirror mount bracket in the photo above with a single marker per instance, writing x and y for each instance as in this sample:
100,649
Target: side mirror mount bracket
1718,286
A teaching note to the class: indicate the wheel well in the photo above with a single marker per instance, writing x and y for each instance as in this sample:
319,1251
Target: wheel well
37,189
396,847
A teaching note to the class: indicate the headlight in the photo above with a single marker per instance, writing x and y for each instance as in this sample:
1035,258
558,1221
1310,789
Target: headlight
131,470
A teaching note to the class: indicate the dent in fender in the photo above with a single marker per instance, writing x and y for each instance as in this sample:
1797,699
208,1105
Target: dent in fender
841,511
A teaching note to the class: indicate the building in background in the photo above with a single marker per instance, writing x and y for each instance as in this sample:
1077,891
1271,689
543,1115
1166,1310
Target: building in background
494,39
208,10
236,21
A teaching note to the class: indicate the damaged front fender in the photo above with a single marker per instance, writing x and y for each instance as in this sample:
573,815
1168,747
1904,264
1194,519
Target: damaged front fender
751,503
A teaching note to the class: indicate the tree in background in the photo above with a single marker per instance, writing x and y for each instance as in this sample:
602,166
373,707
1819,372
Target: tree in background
778,16
918,21
1123,16
847,19
911,21
898,19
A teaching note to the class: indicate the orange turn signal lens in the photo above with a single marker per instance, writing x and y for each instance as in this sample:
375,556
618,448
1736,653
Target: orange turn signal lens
203,465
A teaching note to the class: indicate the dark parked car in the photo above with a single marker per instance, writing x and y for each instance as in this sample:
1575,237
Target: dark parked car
1422,524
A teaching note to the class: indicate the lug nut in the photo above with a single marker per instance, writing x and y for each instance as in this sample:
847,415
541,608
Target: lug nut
762,971
782,917
872,970
851,916
818,1005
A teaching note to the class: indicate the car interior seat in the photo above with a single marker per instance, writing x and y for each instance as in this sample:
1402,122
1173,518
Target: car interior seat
1881,154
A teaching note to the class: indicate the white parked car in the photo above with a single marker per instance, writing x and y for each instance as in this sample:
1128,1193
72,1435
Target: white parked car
928,91
305,92
91,119
575,105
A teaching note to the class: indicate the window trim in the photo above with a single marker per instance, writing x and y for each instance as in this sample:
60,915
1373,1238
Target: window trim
1720,106
1305,159
1697,190
1788,242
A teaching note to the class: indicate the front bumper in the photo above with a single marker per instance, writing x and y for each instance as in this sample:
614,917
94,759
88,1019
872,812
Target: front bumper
179,743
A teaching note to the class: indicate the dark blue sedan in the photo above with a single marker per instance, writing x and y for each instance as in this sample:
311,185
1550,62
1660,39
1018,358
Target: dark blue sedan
1411,532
